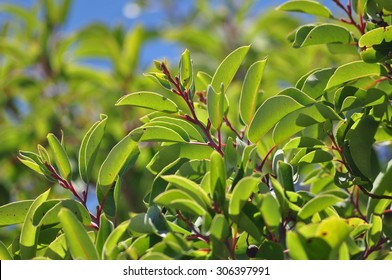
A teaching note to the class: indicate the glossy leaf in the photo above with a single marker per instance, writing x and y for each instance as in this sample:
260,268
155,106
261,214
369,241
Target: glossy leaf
117,235
285,175
169,125
105,228
316,156
298,95
78,241
270,211
296,121
29,233
167,197
219,227
60,156
375,45
323,34
188,206
315,83
317,204
303,142
226,71
307,7
186,69
169,154
155,134
269,113
296,249
4,254
117,160
242,191
361,138
47,212
14,213
192,130
148,100
218,178
189,187
381,186
353,71
250,91
215,106
373,235
89,148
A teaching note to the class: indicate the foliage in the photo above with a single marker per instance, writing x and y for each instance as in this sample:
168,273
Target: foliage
238,173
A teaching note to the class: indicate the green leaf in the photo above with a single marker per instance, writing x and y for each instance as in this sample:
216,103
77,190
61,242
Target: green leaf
131,52
148,100
188,206
4,254
169,154
270,251
242,191
317,204
218,178
361,138
167,124
323,34
60,156
78,240
155,134
186,69
296,121
295,246
189,187
215,106
316,156
192,130
89,148
285,175
307,7
374,234
116,236
117,161
250,96
29,234
381,186
57,249
204,78
298,95
47,212
354,71
228,68
375,45
315,83
105,228
269,113
270,211
14,213
334,231
220,227
303,142
167,197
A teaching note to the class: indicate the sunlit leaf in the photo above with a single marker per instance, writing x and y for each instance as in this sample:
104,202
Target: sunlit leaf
317,204
60,156
78,240
29,233
242,191
226,71
307,7
353,71
89,148
14,212
250,91
269,113
148,100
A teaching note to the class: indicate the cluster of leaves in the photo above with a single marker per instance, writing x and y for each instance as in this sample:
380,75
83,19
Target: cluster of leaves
291,175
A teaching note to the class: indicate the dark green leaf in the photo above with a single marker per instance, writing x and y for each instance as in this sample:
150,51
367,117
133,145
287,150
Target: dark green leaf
318,204
242,191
